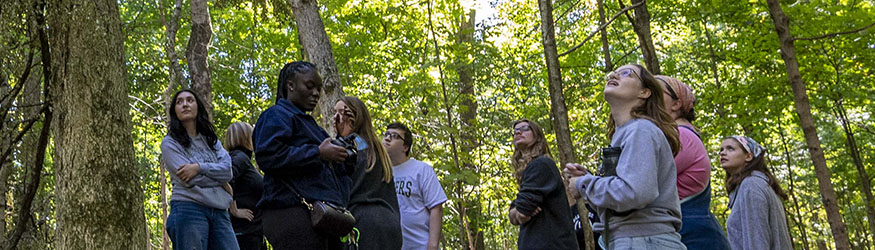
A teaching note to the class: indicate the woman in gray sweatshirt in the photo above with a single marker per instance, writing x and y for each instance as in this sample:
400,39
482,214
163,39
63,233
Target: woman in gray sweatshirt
638,200
198,167
757,220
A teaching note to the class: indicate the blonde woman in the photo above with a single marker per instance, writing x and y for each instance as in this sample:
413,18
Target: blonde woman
247,186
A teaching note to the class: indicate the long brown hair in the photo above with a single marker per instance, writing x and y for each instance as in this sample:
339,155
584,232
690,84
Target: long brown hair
522,157
362,125
758,163
653,110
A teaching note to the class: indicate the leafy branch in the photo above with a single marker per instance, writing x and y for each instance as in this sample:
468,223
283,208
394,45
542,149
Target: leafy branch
622,11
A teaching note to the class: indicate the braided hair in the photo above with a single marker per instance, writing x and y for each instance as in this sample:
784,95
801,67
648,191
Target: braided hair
288,73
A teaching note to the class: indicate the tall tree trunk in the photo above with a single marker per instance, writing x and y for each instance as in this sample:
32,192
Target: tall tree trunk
98,194
792,186
554,78
641,25
468,130
865,184
606,48
198,51
803,109
317,47
176,79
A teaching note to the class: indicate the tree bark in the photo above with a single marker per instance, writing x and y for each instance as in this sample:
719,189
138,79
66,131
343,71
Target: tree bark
198,51
98,195
554,78
468,129
803,109
317,47
641,25
606,48
176,78
176,81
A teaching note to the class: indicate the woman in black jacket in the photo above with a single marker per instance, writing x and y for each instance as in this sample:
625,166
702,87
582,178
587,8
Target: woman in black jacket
247,186
541,206
299,162
372,199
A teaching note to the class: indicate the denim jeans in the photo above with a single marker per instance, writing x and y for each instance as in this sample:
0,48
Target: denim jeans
193,226
666,241
700,229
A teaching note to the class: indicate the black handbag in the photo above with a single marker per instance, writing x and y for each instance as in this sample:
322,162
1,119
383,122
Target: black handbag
327,218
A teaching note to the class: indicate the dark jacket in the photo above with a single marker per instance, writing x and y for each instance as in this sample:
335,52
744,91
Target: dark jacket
541,186
286,144
247,185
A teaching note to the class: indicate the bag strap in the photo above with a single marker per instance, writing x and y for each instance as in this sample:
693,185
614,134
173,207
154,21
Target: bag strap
295,190
691,130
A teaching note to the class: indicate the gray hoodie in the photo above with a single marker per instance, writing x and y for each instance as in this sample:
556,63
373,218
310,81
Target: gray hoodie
646,184
757,220
215,169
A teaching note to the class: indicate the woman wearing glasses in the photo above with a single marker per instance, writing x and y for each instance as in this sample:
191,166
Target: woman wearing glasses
700,228
372,198
541,206
638,205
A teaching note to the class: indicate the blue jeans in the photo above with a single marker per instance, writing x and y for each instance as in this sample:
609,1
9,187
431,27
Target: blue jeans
700,229
193,226
666,241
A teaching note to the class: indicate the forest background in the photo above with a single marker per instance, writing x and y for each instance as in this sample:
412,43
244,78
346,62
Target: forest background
85,84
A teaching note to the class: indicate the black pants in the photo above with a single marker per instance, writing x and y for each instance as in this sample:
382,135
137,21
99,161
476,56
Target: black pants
379,227
290,228
251,242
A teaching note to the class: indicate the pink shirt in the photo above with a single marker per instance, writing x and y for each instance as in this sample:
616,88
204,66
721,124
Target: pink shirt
693,164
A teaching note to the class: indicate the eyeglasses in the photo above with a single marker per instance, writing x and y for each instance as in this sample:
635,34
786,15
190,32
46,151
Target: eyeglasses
392,135
671,93
522,129
621,73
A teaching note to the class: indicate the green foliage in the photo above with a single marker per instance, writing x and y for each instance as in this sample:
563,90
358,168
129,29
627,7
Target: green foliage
401,58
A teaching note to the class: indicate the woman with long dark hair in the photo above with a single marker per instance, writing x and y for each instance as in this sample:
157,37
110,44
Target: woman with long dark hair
247,186
299,162
637,201
199,166
757,220
372,199
700,228
541,206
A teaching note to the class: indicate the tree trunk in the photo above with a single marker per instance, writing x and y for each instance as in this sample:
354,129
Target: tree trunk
31,155
865,185
606,48
176,78
554,78
791,187
98,194
803,109
317,47
198,51
468,129
641,25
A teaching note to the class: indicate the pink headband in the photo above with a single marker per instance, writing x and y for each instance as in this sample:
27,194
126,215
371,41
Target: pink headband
684,92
